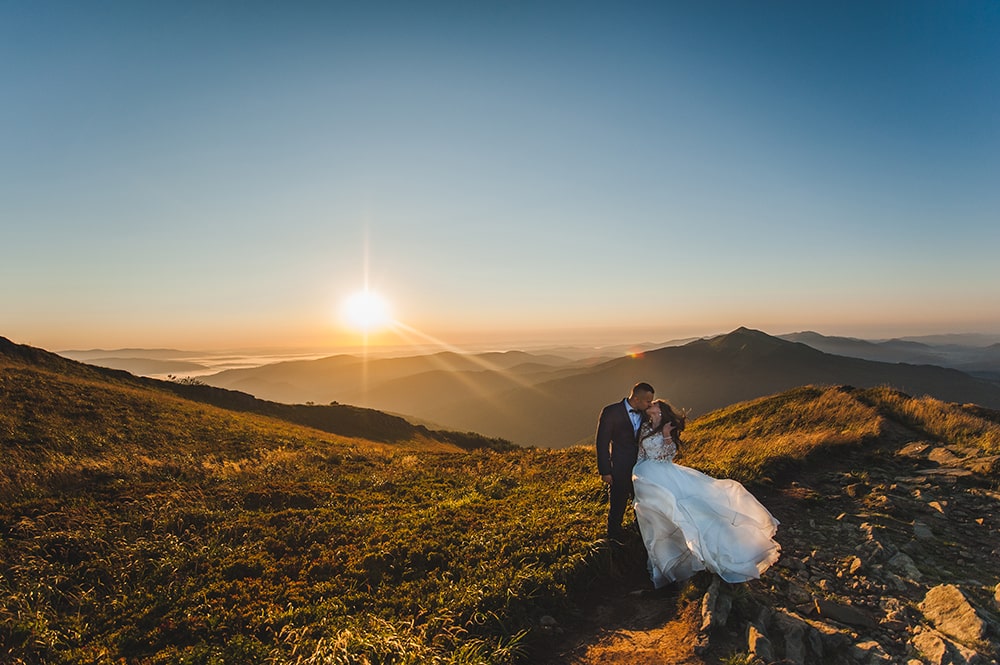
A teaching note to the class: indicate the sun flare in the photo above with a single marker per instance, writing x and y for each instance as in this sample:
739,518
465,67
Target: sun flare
366,311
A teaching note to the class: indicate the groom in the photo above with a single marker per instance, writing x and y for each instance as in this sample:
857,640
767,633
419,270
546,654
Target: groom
617,449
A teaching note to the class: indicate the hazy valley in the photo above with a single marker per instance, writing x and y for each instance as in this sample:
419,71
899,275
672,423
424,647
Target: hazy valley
550,400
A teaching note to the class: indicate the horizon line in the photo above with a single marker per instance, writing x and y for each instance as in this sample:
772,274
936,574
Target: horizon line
481,346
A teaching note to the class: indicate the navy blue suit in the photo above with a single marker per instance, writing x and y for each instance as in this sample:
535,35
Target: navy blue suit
617,449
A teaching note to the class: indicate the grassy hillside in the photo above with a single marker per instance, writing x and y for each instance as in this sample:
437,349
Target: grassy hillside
752,441
140,525
335,418
137,525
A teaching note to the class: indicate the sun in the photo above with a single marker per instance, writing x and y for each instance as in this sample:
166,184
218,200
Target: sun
366,311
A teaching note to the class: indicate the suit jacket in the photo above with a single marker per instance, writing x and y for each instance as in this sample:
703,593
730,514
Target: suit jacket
617,445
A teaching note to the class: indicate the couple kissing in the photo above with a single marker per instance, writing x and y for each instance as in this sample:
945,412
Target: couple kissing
688,521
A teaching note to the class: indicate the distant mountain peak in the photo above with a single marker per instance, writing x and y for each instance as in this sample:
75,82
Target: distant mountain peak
743,330
743,336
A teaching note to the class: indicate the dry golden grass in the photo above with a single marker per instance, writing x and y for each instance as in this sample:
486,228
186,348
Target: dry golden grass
143,527
64,431
962,425
747,441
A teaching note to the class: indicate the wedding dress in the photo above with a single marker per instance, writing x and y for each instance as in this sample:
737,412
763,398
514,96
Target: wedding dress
691,522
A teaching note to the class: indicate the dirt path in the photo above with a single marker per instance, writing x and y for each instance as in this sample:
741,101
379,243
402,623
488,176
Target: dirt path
651,634
623,622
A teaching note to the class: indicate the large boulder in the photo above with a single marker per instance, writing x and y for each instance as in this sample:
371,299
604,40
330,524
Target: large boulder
946,607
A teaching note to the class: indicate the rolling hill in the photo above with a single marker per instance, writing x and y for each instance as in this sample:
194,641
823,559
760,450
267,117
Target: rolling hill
559,407
334,418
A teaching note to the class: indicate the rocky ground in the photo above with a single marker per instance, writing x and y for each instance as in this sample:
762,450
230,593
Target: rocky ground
890,555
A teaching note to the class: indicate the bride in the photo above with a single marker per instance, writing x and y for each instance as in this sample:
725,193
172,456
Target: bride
691,522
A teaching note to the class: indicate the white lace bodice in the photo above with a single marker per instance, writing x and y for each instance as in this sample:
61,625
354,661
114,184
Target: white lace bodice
656,447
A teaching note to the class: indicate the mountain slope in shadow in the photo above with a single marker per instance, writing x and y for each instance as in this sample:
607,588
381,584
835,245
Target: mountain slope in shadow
698,377
981,361
552,401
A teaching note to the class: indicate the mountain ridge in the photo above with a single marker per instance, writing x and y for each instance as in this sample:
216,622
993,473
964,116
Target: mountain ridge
512,396
981,361
697,377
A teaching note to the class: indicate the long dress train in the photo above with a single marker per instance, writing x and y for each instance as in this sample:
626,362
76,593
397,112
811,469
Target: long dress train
691,522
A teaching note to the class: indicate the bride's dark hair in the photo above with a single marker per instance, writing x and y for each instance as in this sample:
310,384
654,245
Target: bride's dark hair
670,416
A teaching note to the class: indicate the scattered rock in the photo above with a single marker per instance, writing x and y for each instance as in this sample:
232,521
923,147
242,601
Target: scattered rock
921,531
798,594
931,647
845,614
791,563
904,565
948,474
944,457
870,651
823,637
936,649
758,645
893,626
896,582
937,506
793,633
964,655
715,607
947,608
723,606
708,603
915,449
983,466
847,587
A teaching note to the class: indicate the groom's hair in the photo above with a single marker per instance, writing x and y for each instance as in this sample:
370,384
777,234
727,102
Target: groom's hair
643,387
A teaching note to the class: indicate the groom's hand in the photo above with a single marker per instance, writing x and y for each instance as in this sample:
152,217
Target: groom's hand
607,479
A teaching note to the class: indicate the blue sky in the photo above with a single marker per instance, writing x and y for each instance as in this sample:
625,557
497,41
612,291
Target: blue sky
224,174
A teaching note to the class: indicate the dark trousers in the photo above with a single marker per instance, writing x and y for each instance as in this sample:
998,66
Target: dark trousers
619,494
